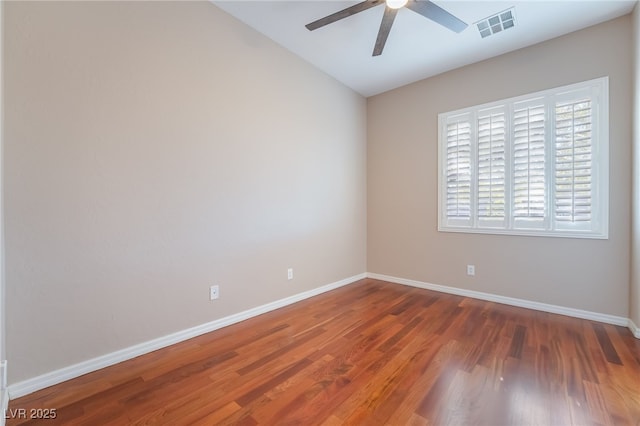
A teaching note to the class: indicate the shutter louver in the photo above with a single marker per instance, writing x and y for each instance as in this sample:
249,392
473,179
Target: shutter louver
459,170
491,166
529,163
573,149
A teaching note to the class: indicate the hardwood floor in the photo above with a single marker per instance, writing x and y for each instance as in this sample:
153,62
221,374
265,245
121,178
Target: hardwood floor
371,353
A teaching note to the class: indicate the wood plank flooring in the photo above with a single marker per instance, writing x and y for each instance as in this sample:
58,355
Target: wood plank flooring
371,353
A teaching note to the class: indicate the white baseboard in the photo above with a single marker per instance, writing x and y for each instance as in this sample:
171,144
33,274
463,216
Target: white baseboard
634,329
58,376
538,306
4,392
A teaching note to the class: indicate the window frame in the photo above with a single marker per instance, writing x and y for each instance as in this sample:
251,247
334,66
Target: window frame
598,92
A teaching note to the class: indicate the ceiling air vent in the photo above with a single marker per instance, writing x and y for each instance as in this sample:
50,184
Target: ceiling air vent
496,23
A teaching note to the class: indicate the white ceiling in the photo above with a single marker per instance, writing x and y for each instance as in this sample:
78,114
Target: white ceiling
417,47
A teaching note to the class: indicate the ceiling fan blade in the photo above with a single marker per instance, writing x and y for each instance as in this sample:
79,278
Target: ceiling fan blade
345,13
385,27
437,14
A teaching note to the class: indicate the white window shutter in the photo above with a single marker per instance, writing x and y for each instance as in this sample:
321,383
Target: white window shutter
491,166
529,162
458,169
573,163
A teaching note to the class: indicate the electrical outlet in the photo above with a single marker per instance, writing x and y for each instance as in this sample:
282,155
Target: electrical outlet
471,270
290,273
214,292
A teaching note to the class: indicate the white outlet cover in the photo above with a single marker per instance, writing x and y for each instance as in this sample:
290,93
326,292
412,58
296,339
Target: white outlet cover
214,292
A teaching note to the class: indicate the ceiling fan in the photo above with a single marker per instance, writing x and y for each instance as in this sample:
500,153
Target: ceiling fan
425,8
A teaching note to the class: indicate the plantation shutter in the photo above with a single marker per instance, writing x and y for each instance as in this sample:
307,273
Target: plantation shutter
573,163
458,169
529,181
536,164
491,166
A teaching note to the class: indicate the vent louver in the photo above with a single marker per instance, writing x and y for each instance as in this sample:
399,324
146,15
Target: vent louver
496,23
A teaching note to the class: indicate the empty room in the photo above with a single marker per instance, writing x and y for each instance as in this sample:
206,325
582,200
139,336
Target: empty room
400,212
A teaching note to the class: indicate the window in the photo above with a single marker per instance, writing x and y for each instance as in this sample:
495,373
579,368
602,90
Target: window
531,165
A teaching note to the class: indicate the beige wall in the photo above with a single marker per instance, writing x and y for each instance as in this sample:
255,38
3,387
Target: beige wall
634,299
402,180
154,149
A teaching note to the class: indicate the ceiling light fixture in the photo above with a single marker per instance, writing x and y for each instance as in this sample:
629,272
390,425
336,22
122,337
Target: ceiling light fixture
396,4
